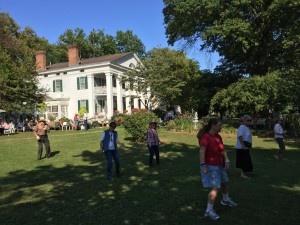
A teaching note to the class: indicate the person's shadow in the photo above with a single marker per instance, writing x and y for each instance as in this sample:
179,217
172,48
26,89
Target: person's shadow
54,153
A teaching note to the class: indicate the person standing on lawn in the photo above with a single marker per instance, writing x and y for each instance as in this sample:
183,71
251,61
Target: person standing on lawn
213,165
279,135
85,117
108,144
153,143
76,120
243,146
41,131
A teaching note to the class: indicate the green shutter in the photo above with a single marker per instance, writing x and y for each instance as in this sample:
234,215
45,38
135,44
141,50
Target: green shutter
78,105
54,86
87,105
86,83
78,87
61,87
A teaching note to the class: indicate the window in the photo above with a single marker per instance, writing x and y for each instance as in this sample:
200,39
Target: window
82,83
83,103
100,106
64,111
100,82
52,111
57,86
114,81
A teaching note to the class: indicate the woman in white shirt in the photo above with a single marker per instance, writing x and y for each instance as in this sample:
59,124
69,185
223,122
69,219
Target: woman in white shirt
243,146
279,134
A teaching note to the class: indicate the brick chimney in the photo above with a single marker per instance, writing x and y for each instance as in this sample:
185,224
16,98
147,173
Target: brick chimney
40,59
73,55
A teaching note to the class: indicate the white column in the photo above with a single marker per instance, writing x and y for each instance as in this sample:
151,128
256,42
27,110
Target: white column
109,95
90,80
119,94
128,106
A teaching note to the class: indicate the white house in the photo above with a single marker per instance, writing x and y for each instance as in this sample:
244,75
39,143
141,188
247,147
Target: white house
92,83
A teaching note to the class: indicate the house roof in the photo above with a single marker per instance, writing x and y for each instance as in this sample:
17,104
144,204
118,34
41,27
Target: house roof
100,59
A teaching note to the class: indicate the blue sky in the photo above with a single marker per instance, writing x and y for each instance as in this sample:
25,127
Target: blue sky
52,18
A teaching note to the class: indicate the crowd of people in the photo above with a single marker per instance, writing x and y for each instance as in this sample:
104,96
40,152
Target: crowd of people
214,160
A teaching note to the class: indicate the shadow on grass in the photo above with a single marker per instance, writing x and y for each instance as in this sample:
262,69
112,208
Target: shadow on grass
170,193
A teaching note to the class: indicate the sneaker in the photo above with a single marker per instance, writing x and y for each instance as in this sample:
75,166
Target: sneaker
244,176
211,215
276,157
229,202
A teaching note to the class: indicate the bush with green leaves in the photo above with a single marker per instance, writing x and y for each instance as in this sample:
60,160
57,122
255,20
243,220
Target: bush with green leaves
170,125
118,118
137,123
184,122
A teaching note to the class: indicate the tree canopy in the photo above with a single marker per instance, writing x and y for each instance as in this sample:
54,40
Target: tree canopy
97,43
18,83
258,95
167,76
252,37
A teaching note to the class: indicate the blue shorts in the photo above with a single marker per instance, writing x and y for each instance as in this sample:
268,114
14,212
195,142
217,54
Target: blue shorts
215,176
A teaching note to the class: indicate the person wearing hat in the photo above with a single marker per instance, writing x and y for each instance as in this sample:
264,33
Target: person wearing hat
109,145
243,146
153,142
41,131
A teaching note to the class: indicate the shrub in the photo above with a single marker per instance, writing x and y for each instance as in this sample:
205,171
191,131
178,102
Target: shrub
170,125
64,119
137,123
118,118
182,122
82,111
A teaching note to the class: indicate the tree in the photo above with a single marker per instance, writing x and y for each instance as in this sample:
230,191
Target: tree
76,36
18,82
206,85
252,37
101,44
166,75
255,95
128,42
97,43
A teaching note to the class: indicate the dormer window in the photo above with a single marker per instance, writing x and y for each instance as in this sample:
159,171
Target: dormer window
132,66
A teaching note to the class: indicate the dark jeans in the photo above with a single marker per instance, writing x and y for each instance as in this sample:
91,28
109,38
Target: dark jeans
281,145
44,141
243,160
85,124
112,154
153,150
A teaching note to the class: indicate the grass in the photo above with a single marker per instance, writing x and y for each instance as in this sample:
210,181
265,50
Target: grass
70,187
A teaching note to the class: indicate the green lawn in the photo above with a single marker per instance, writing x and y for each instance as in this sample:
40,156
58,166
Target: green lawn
70,187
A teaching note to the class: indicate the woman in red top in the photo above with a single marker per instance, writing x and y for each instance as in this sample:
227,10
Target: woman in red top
213,164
